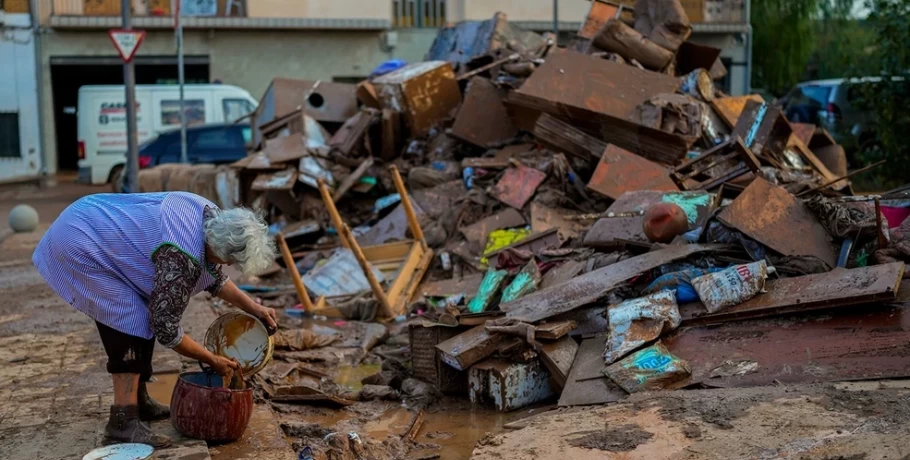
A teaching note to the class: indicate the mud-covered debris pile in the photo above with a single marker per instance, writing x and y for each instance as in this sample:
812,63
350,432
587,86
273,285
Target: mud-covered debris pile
533,222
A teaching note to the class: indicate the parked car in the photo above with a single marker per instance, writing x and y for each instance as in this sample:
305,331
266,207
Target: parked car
833,105
217,143
102,119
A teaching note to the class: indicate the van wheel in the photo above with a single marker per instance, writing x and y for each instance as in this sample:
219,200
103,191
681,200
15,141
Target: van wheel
116,179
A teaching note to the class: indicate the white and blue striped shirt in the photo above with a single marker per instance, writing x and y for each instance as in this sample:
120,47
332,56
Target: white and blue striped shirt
97,255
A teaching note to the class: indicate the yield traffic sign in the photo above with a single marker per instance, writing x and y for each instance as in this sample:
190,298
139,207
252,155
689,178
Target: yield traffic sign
127,42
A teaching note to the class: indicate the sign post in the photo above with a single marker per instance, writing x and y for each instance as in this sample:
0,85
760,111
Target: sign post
181,78
127,42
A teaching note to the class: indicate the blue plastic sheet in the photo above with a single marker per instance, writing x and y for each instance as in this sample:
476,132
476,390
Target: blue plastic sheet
388,66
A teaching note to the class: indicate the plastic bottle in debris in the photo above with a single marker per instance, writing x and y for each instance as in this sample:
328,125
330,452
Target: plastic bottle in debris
468,175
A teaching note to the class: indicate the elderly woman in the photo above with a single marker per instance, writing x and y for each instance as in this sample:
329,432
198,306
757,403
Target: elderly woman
131,262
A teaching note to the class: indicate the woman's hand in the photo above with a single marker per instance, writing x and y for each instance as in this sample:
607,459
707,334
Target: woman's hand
268,316
224,366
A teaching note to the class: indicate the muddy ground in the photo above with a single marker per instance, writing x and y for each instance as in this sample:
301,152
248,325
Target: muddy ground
55,396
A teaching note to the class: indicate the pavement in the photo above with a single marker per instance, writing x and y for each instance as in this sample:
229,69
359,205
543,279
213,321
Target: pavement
54,391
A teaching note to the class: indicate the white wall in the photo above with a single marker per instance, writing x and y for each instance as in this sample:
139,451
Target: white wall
19,94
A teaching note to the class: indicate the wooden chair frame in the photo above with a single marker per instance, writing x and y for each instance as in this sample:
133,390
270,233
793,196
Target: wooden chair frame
411,258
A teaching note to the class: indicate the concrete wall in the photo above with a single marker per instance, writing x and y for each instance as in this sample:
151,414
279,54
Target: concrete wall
517,10
249,59
19,94
325,9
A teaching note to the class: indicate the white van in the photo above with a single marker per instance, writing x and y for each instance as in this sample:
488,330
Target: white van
102,119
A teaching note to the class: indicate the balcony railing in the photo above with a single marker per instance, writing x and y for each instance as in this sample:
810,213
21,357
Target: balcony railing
229,14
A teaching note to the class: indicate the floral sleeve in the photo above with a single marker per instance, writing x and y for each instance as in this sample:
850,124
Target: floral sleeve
176,275
220,279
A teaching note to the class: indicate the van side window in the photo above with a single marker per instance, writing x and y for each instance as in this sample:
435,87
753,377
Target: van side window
235,109
194,109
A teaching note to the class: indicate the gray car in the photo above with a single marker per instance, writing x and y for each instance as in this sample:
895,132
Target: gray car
833,105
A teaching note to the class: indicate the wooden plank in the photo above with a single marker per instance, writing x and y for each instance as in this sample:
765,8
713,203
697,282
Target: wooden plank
772,216
409,277
470,347
558,357
518,185
564,137
478,232
582,392
847,344
389,251
837,288
352,179
554,330
592,286
445,288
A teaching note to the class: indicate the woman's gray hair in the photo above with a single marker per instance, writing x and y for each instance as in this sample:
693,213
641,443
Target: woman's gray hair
240,236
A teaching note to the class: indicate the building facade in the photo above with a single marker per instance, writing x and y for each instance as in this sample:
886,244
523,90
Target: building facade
248,43
20,134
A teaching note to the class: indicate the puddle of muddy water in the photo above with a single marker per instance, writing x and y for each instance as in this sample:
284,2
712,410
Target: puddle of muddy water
162,387
454,426
350,376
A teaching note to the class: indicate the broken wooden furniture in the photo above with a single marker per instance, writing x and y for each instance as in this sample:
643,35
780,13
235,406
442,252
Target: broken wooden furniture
714,167
406,260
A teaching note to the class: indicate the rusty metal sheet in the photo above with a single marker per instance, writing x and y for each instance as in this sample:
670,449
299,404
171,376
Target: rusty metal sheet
445,288
729,108
564,137
509,386
601,97
325,101
620,171
837,288
518,185
604,88
592,286
849,344
479,232
597,390
606,231
425,92
773,217
598,15
692,56
366,94
482,119
803,131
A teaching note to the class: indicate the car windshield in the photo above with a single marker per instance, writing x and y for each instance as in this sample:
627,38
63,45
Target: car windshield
815,95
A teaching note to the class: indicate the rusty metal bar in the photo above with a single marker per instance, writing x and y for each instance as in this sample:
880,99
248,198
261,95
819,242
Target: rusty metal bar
832,182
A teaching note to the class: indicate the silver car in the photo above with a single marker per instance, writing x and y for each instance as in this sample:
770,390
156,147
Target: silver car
832,104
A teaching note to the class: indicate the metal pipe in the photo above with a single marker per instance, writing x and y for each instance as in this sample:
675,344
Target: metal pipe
132,138
181,80
556,19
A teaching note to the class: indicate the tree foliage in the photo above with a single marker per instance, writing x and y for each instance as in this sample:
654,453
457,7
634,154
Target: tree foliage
844,43
783,34
888,100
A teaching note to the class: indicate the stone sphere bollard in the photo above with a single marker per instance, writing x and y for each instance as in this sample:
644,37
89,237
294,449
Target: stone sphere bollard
23,218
